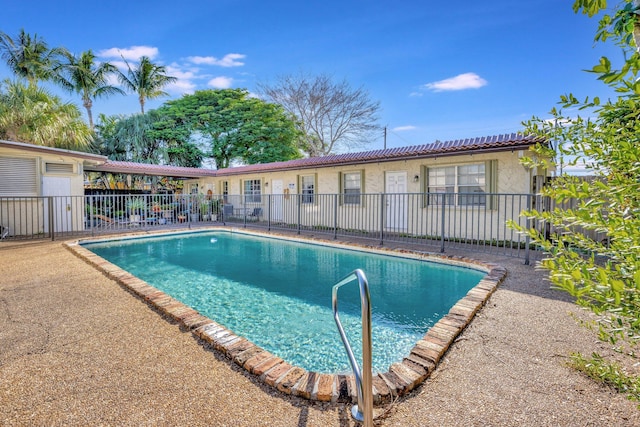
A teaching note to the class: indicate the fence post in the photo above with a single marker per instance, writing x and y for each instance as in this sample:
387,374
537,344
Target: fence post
298,197
527,239
335,216
268,212
189,201
442,222
383,201
51,220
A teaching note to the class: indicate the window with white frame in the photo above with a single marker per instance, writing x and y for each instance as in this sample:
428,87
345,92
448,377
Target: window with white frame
252,191
351,187
308,187
463,185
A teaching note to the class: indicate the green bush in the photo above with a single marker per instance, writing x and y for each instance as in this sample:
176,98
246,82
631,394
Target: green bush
603,275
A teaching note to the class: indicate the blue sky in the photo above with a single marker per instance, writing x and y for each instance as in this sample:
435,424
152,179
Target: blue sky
440,70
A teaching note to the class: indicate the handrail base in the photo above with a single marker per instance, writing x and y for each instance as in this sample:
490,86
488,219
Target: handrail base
357,414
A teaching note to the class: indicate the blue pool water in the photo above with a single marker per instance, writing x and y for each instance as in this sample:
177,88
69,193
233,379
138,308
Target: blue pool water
277,293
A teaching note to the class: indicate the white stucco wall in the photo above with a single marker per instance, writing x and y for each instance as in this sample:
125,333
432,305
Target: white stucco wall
29,213
416,216
512,177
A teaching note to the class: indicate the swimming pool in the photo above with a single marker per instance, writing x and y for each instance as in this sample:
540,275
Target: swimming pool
277,293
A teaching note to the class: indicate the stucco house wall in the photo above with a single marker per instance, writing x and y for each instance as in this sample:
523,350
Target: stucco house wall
412,211
30,173
512,177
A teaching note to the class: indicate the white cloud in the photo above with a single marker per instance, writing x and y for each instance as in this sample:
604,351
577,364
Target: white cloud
221,82
198,60
132,53
121,65
181,87
175,71
229,60
404,128
459,82
189,74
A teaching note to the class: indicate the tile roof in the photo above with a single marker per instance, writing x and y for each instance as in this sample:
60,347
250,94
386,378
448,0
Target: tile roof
438,148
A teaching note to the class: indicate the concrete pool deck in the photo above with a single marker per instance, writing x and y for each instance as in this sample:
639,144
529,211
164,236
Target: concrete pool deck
77,349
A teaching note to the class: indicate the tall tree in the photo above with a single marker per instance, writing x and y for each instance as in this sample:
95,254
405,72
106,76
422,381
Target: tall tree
235,126
29,57
147,80
128,139
175,132
84,76
146,138
31,114
332,115
602,274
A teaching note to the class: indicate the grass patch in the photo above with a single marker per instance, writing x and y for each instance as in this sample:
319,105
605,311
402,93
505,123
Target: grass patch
608,373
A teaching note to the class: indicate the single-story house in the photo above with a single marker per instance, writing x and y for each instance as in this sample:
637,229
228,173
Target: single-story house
417,183
395,188
492,163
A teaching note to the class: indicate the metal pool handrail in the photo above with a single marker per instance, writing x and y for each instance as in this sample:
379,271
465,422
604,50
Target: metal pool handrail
363,410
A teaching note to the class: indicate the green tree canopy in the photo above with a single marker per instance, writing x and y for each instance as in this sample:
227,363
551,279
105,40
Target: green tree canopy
146,138
235,126
84,76
31,114
127,139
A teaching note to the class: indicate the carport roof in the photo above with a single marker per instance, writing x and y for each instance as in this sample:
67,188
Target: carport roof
132,168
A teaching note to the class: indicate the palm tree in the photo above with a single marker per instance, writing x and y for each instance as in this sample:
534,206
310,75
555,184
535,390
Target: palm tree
129,138
31,114
147,80
29,56
84,76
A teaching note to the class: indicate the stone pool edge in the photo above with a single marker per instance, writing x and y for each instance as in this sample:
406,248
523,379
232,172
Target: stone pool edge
400,379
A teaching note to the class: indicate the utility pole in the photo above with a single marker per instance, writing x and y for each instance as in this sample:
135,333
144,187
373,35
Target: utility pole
385,137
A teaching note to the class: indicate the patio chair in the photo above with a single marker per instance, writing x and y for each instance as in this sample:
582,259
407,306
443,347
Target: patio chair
257,213
4,232
104,220
227,211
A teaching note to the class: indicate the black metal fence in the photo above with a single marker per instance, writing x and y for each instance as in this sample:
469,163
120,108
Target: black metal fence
468,221
436,221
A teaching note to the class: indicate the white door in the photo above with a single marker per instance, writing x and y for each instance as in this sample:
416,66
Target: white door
60,190
277,188
396,200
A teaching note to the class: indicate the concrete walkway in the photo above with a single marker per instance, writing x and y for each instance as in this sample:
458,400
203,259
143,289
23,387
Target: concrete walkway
77,349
